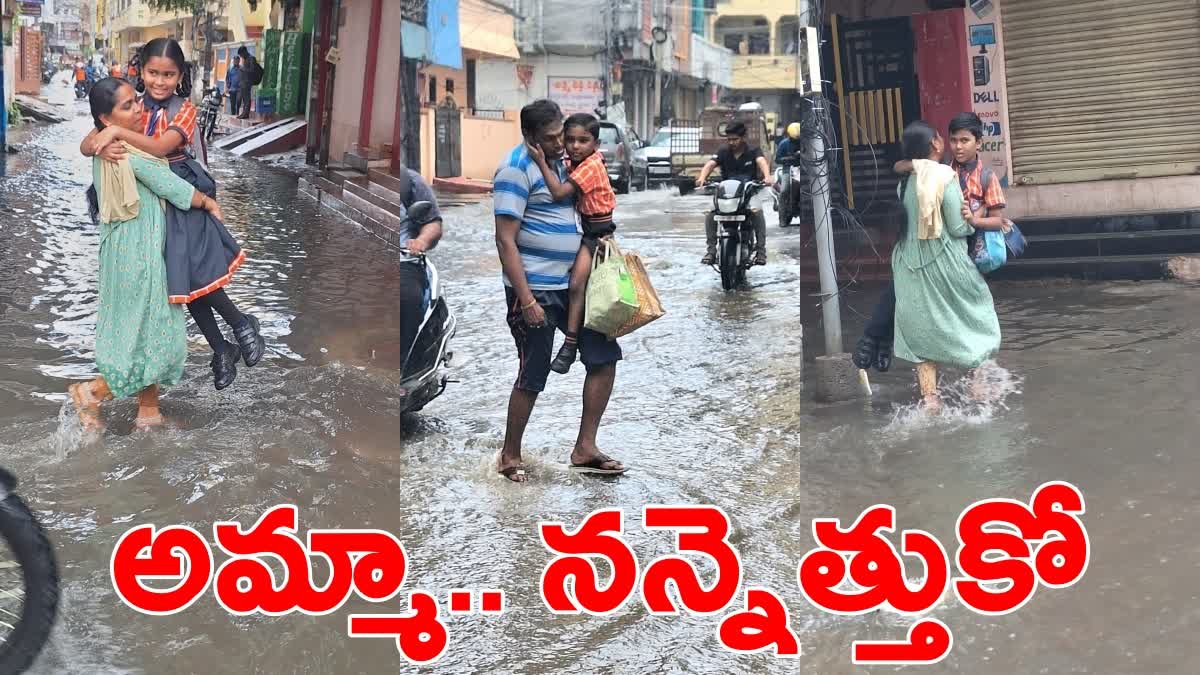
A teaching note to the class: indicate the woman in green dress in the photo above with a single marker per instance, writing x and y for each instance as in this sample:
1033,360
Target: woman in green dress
141,338
944,310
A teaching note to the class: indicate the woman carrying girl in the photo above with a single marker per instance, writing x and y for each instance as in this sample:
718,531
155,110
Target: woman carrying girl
141,338
201,255
944,310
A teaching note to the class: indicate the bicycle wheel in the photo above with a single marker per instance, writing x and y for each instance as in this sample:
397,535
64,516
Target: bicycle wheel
28,585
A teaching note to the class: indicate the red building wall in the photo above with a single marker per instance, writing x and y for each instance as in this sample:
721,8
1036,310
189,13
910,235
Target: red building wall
943,72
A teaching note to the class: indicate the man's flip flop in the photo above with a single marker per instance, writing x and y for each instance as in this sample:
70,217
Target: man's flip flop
513,472
596,466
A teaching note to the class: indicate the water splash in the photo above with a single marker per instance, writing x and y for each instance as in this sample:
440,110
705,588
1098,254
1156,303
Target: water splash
971,399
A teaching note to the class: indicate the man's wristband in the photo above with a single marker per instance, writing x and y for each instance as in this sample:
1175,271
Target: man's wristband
531,304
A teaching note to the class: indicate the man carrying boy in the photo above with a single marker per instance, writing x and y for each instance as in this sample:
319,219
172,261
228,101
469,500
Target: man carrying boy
537,239
982,194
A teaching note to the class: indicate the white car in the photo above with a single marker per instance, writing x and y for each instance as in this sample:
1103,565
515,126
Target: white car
652,163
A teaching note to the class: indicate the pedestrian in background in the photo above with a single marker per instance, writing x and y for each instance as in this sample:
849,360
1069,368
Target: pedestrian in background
251,76
233,76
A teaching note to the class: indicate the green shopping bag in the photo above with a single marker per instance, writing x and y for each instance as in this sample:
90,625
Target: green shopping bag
611,294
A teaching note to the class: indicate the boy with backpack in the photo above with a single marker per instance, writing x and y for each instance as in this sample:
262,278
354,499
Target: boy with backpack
983,197
251,76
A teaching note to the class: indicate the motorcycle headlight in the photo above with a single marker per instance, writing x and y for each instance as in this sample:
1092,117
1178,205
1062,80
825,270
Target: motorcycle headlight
726,205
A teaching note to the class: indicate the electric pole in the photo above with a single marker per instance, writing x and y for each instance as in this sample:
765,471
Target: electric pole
831,312
3,100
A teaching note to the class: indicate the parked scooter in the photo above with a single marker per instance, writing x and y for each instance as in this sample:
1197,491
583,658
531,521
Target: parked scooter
789,182
735,220
421,377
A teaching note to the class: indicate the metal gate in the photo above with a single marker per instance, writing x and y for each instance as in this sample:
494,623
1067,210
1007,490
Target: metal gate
877,96
448,131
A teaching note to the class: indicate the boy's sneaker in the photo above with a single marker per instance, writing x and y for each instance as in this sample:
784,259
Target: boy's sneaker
566,356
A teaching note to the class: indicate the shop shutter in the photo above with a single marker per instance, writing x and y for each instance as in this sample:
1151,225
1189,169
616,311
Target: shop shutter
1102,89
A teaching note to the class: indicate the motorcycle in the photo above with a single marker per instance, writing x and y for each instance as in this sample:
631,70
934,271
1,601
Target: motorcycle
735,228
210,110
420,378
29,579
788,182
82,89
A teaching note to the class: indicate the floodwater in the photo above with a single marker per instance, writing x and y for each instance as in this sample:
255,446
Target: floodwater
1099,387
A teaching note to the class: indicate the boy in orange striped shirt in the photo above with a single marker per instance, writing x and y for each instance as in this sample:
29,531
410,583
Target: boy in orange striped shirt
595,201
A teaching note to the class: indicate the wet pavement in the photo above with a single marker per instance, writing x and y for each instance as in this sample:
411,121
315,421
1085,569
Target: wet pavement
709,408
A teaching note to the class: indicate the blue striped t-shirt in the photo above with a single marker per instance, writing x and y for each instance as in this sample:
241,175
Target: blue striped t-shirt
549,235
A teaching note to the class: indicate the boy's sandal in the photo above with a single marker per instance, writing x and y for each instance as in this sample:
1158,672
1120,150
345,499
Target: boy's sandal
515,474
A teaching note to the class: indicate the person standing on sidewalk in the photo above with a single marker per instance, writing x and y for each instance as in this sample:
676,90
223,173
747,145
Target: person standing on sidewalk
251,76
537,238
233,79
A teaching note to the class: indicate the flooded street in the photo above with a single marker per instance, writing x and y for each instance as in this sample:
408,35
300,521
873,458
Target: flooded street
709,408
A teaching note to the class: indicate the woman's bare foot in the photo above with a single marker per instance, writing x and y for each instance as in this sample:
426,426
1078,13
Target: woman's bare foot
148,422
932,404
87,405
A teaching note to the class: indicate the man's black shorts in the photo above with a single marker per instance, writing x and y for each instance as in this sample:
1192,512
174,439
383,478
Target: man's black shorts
535,346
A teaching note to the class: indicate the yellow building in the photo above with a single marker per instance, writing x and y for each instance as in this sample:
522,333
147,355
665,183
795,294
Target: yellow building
132,23
762,34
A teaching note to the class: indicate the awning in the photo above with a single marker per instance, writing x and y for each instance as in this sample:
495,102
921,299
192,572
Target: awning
486,29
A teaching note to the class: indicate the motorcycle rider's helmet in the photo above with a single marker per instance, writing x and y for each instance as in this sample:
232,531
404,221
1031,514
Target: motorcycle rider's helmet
793,131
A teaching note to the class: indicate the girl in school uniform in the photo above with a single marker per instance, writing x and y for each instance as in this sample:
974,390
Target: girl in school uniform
201,256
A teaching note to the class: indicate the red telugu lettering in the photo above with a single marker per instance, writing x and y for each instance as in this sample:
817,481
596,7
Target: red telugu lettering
762,624
701,529
575,552
371,562
1014,528
175,552
420,635
873,566
928,642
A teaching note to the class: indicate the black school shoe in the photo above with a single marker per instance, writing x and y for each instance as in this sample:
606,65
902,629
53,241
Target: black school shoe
251,340
883,362
866,352
224,365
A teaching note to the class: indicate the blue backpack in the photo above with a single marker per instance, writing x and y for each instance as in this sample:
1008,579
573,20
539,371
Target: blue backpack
993,247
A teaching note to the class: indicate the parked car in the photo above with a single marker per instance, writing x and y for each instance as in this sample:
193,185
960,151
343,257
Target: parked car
652,163
617,145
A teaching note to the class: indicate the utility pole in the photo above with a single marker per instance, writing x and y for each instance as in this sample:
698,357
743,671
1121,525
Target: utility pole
3,99
605,64
831,312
